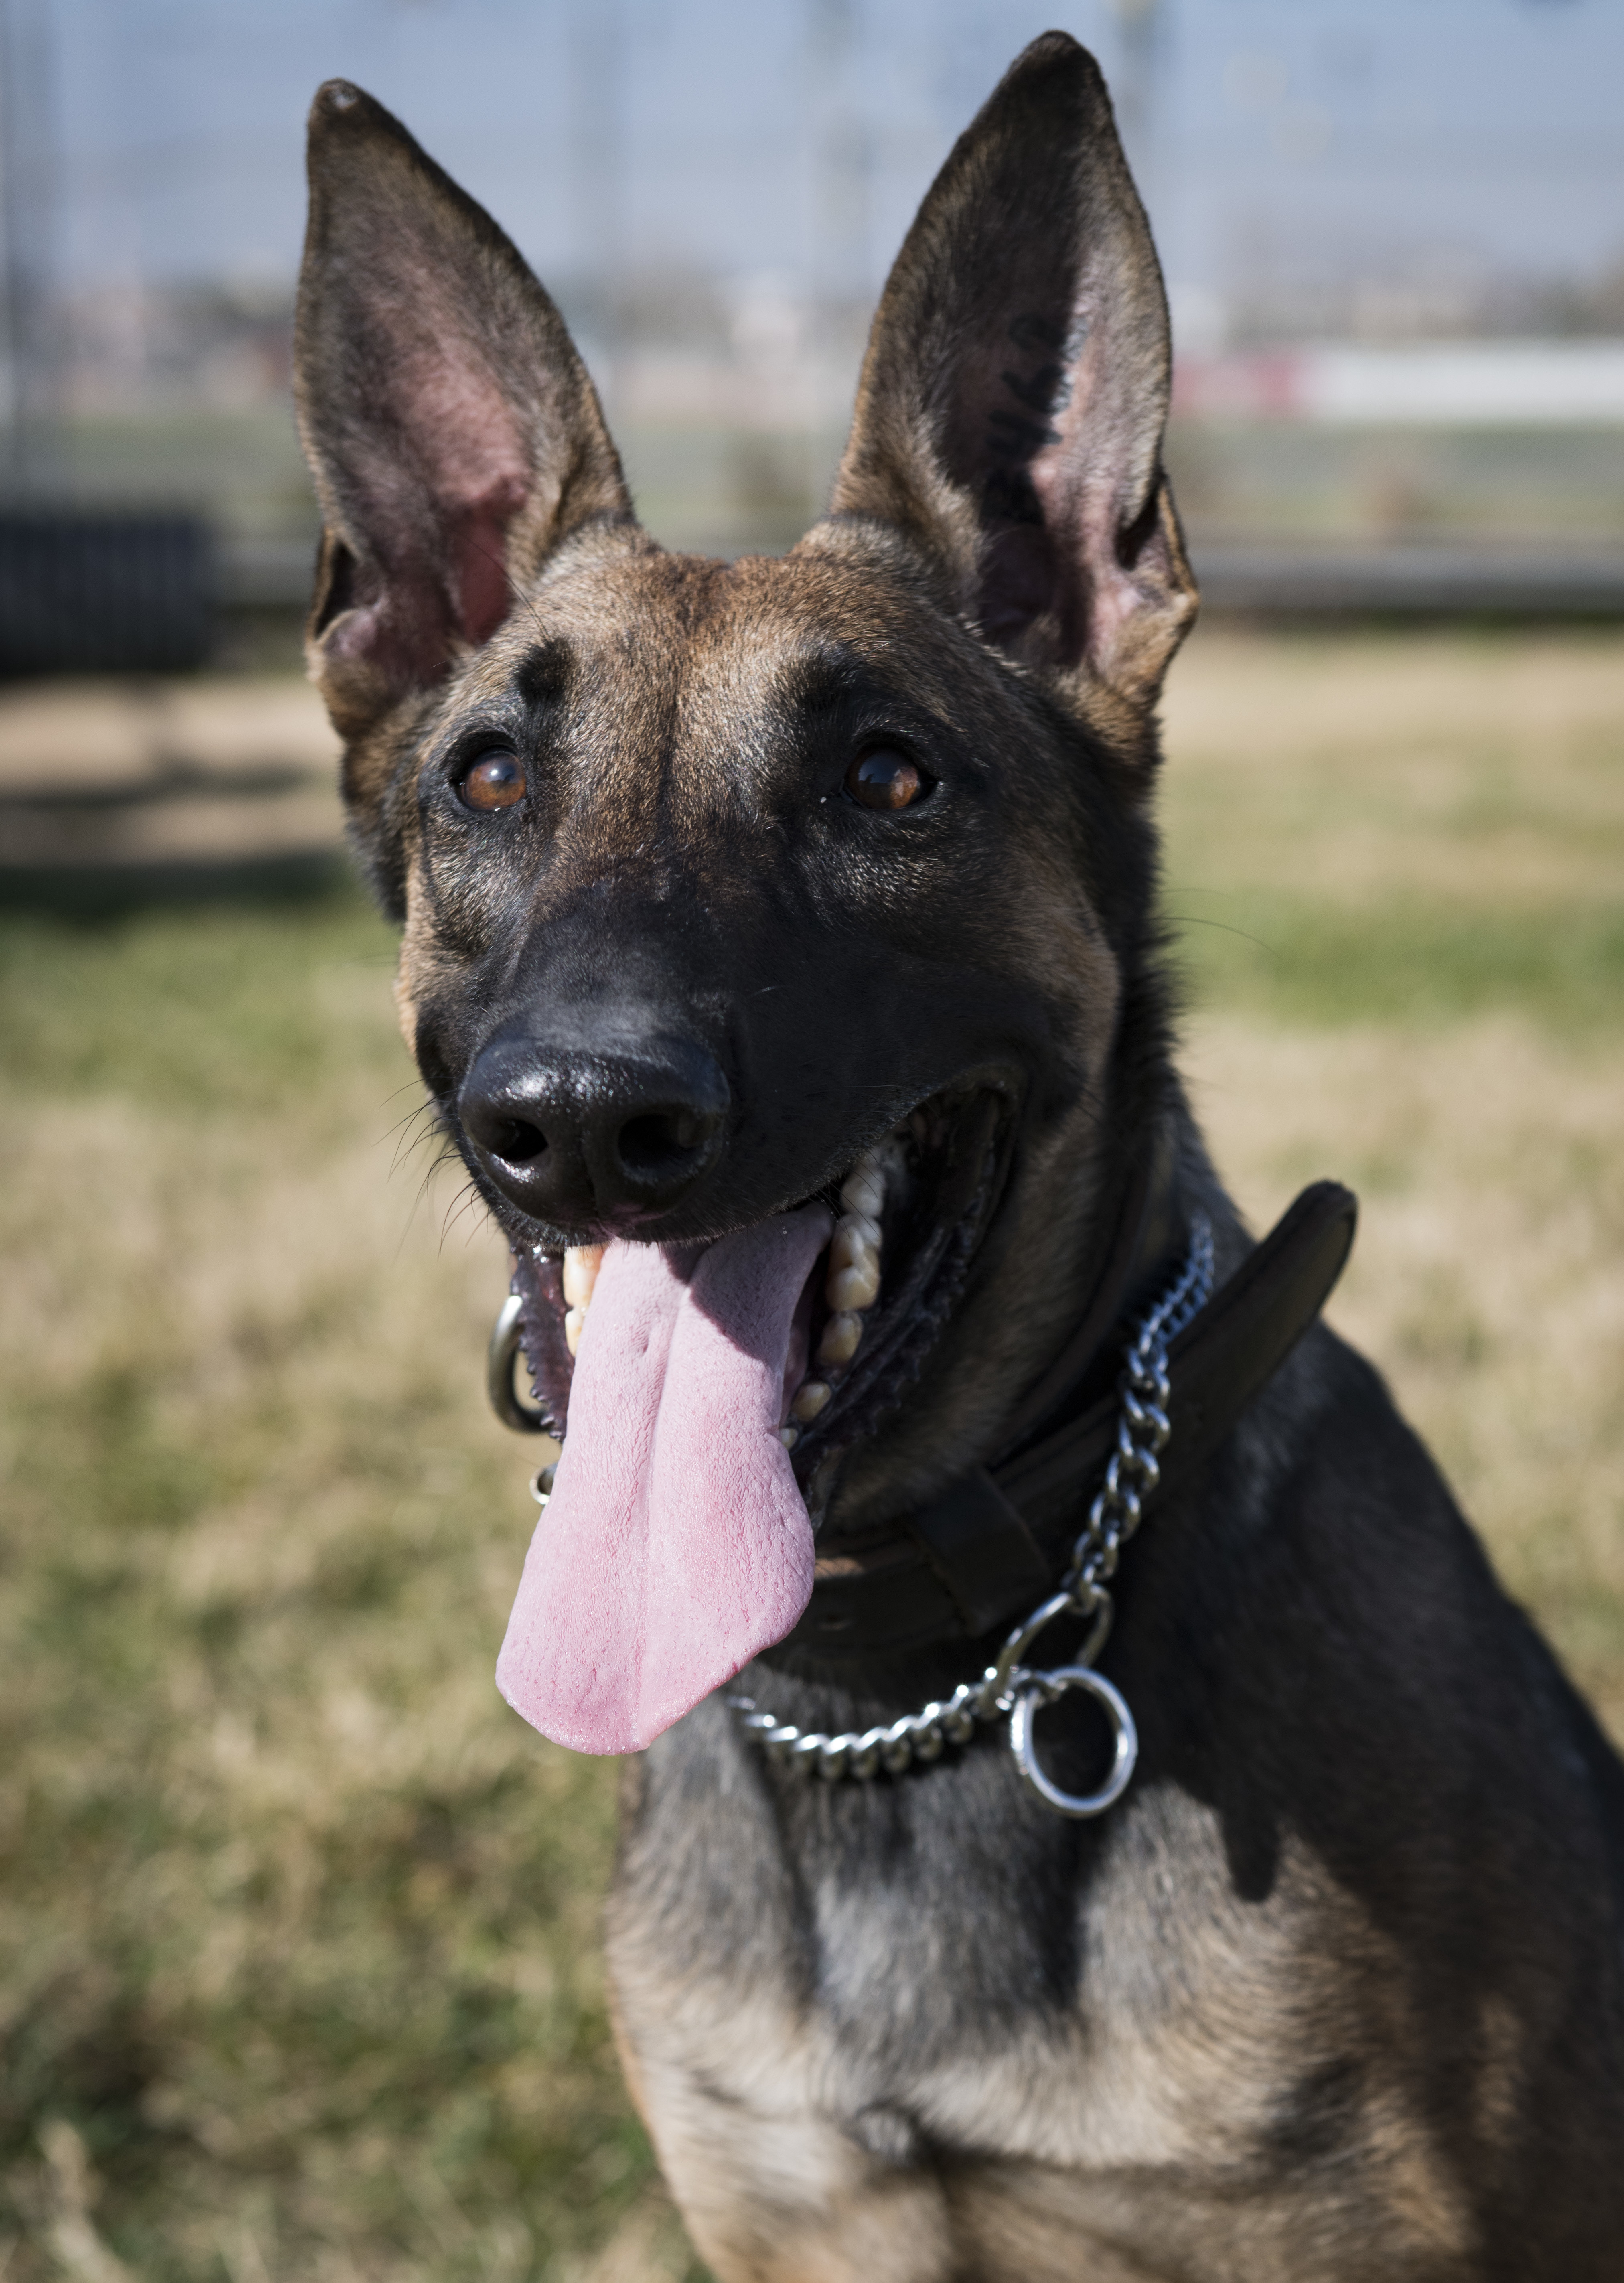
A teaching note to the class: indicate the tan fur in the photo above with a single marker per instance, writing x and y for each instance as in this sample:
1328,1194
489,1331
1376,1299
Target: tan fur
405,1011
1129,2122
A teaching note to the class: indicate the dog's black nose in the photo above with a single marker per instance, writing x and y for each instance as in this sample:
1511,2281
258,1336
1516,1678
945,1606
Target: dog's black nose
582,1137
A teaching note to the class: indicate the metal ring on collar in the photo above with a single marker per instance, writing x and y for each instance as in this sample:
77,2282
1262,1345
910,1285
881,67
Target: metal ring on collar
500,1358
1043,1688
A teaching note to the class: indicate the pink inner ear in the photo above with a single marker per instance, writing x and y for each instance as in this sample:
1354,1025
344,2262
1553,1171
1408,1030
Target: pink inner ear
478,555
478,476
1078,478
1029,437
444,540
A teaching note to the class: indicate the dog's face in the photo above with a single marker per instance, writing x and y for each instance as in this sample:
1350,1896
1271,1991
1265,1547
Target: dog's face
752,896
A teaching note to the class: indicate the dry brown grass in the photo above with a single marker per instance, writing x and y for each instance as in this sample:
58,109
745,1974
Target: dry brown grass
300,1974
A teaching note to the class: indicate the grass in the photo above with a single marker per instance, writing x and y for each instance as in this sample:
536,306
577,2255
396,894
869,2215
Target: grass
300,1972
1399,831
300,1969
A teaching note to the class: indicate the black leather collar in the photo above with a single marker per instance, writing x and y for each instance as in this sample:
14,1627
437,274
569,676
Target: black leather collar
995,1541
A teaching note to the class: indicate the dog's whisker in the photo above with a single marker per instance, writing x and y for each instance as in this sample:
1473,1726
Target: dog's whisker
446,1153
1223,927
423,1119
461,1204
423,1127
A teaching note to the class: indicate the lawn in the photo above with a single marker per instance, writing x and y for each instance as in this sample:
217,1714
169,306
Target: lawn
300,1972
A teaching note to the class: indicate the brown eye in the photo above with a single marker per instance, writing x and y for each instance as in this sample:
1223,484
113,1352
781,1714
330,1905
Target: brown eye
884,779
496,781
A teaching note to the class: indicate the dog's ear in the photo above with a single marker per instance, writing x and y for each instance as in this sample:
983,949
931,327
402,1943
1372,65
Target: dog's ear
454,434
1010,411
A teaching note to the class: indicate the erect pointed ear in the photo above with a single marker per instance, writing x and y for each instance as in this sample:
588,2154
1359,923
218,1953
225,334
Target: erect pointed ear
454,435
1010,411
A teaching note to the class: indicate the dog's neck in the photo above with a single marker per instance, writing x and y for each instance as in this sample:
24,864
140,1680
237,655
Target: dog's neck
954,1571
1144,1230
1145,1235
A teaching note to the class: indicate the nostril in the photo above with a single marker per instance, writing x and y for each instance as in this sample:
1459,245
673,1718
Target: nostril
580,1139
660,1141
516,1141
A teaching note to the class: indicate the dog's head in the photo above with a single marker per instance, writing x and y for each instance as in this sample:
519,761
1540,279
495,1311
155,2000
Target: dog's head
783,926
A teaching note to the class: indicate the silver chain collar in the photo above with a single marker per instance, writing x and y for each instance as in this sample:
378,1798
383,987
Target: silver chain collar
1009,1687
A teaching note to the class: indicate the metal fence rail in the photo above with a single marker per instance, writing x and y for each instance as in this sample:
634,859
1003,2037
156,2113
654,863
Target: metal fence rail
1409,583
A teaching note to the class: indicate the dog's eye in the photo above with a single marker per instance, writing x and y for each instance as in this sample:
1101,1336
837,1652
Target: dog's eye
884,778
496,781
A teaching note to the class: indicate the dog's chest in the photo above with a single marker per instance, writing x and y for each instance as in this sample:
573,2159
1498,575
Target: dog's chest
911,2047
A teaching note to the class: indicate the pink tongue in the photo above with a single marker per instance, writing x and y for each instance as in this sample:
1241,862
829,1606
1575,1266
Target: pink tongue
675,1544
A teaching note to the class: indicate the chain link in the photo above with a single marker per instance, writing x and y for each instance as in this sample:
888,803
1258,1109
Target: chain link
1008,1685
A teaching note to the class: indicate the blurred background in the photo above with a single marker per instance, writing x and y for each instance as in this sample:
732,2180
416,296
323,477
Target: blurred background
299,1966
1393,238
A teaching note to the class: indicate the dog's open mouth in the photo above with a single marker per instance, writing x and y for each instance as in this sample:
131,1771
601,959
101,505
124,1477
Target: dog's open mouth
907,1216
707,1391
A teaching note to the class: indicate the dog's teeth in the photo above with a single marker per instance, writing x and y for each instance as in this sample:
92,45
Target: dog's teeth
811,1400
851,1288
582,1262
863,1189
856,1240
789,1436
841,1336
853,1279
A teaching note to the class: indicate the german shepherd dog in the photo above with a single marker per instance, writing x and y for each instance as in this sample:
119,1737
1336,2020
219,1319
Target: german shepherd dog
781,955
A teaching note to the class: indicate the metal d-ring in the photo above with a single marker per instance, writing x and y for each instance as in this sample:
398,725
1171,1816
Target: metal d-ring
1003,1678
500,1358
999,1682
1043,1688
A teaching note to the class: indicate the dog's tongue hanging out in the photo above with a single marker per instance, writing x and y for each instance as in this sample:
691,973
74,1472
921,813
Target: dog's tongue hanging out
675,1544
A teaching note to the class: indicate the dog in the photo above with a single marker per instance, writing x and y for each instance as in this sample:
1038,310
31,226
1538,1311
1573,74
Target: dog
780,953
